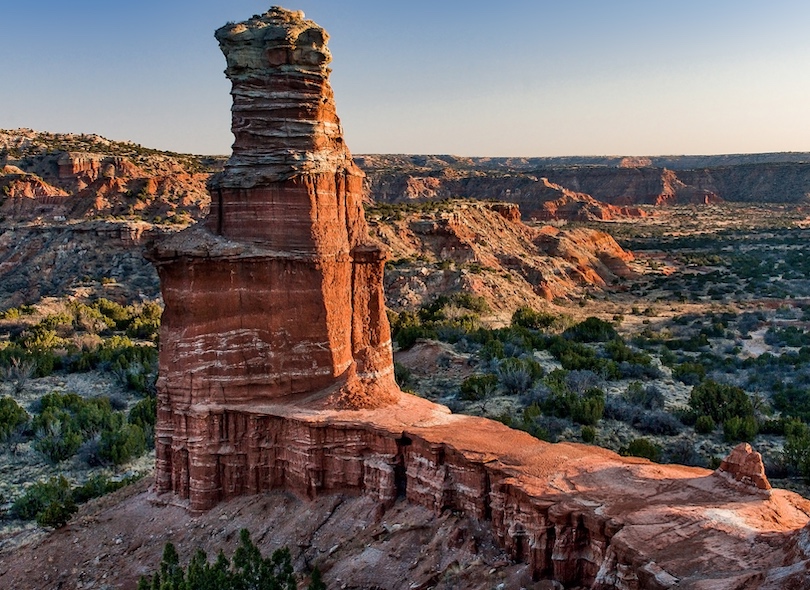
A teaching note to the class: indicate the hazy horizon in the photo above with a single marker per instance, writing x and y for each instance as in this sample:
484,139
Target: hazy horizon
523,79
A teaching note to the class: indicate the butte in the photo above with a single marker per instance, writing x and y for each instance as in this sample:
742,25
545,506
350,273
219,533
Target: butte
276,372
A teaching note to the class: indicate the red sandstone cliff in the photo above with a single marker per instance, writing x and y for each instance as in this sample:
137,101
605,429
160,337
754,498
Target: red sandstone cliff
82,177
484,248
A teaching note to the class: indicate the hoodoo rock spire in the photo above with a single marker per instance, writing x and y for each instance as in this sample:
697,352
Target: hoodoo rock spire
279,293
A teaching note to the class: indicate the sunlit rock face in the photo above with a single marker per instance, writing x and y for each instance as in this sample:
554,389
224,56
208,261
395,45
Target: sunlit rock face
276,373
279,293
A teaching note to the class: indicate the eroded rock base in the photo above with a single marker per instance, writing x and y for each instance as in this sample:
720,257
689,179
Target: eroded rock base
576,514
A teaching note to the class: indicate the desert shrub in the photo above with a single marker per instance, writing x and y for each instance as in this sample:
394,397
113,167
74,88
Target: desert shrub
57,441
628,370
40,337
592,329
97,486
548,428
12,416
17,369
574,356
116,314
773,426
554,398
478,387
705,424
493,349
248,569
793,402
650,397
589,408
689,373
66,421
641,447
407,335
617,408
588,434
797,448
516,375
720,401
466,300
50,502
526,317
581,381
787,336
739,429
144,413
18,365
145,323
87,416
618,351
657,422
120,445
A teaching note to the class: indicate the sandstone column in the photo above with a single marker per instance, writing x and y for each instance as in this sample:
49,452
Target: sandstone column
277,297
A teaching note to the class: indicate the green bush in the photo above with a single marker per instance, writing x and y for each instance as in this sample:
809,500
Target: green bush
50,502
97,486
641,447
58,440
720,401
589,408
121,445
12,416
248,570
689,373
592,329
618,351
739,429
705,424
588,434
517,375
561,402
66,420
797,448
478,387
402,375
526,317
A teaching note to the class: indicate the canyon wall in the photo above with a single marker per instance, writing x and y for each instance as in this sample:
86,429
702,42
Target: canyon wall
625,182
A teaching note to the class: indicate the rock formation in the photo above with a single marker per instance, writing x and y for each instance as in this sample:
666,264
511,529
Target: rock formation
279,294
745,465
276,373
485,249
621,182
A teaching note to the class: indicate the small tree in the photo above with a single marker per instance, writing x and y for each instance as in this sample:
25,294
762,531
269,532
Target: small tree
720,401
478,388
12,416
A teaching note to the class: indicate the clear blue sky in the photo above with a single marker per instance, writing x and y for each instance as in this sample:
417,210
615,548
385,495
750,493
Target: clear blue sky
510,78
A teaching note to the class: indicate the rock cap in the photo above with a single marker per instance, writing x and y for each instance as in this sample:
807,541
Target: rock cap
284,118
745,465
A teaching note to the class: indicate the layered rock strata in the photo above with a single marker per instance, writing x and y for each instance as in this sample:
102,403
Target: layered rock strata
276,372
573,513
279,293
